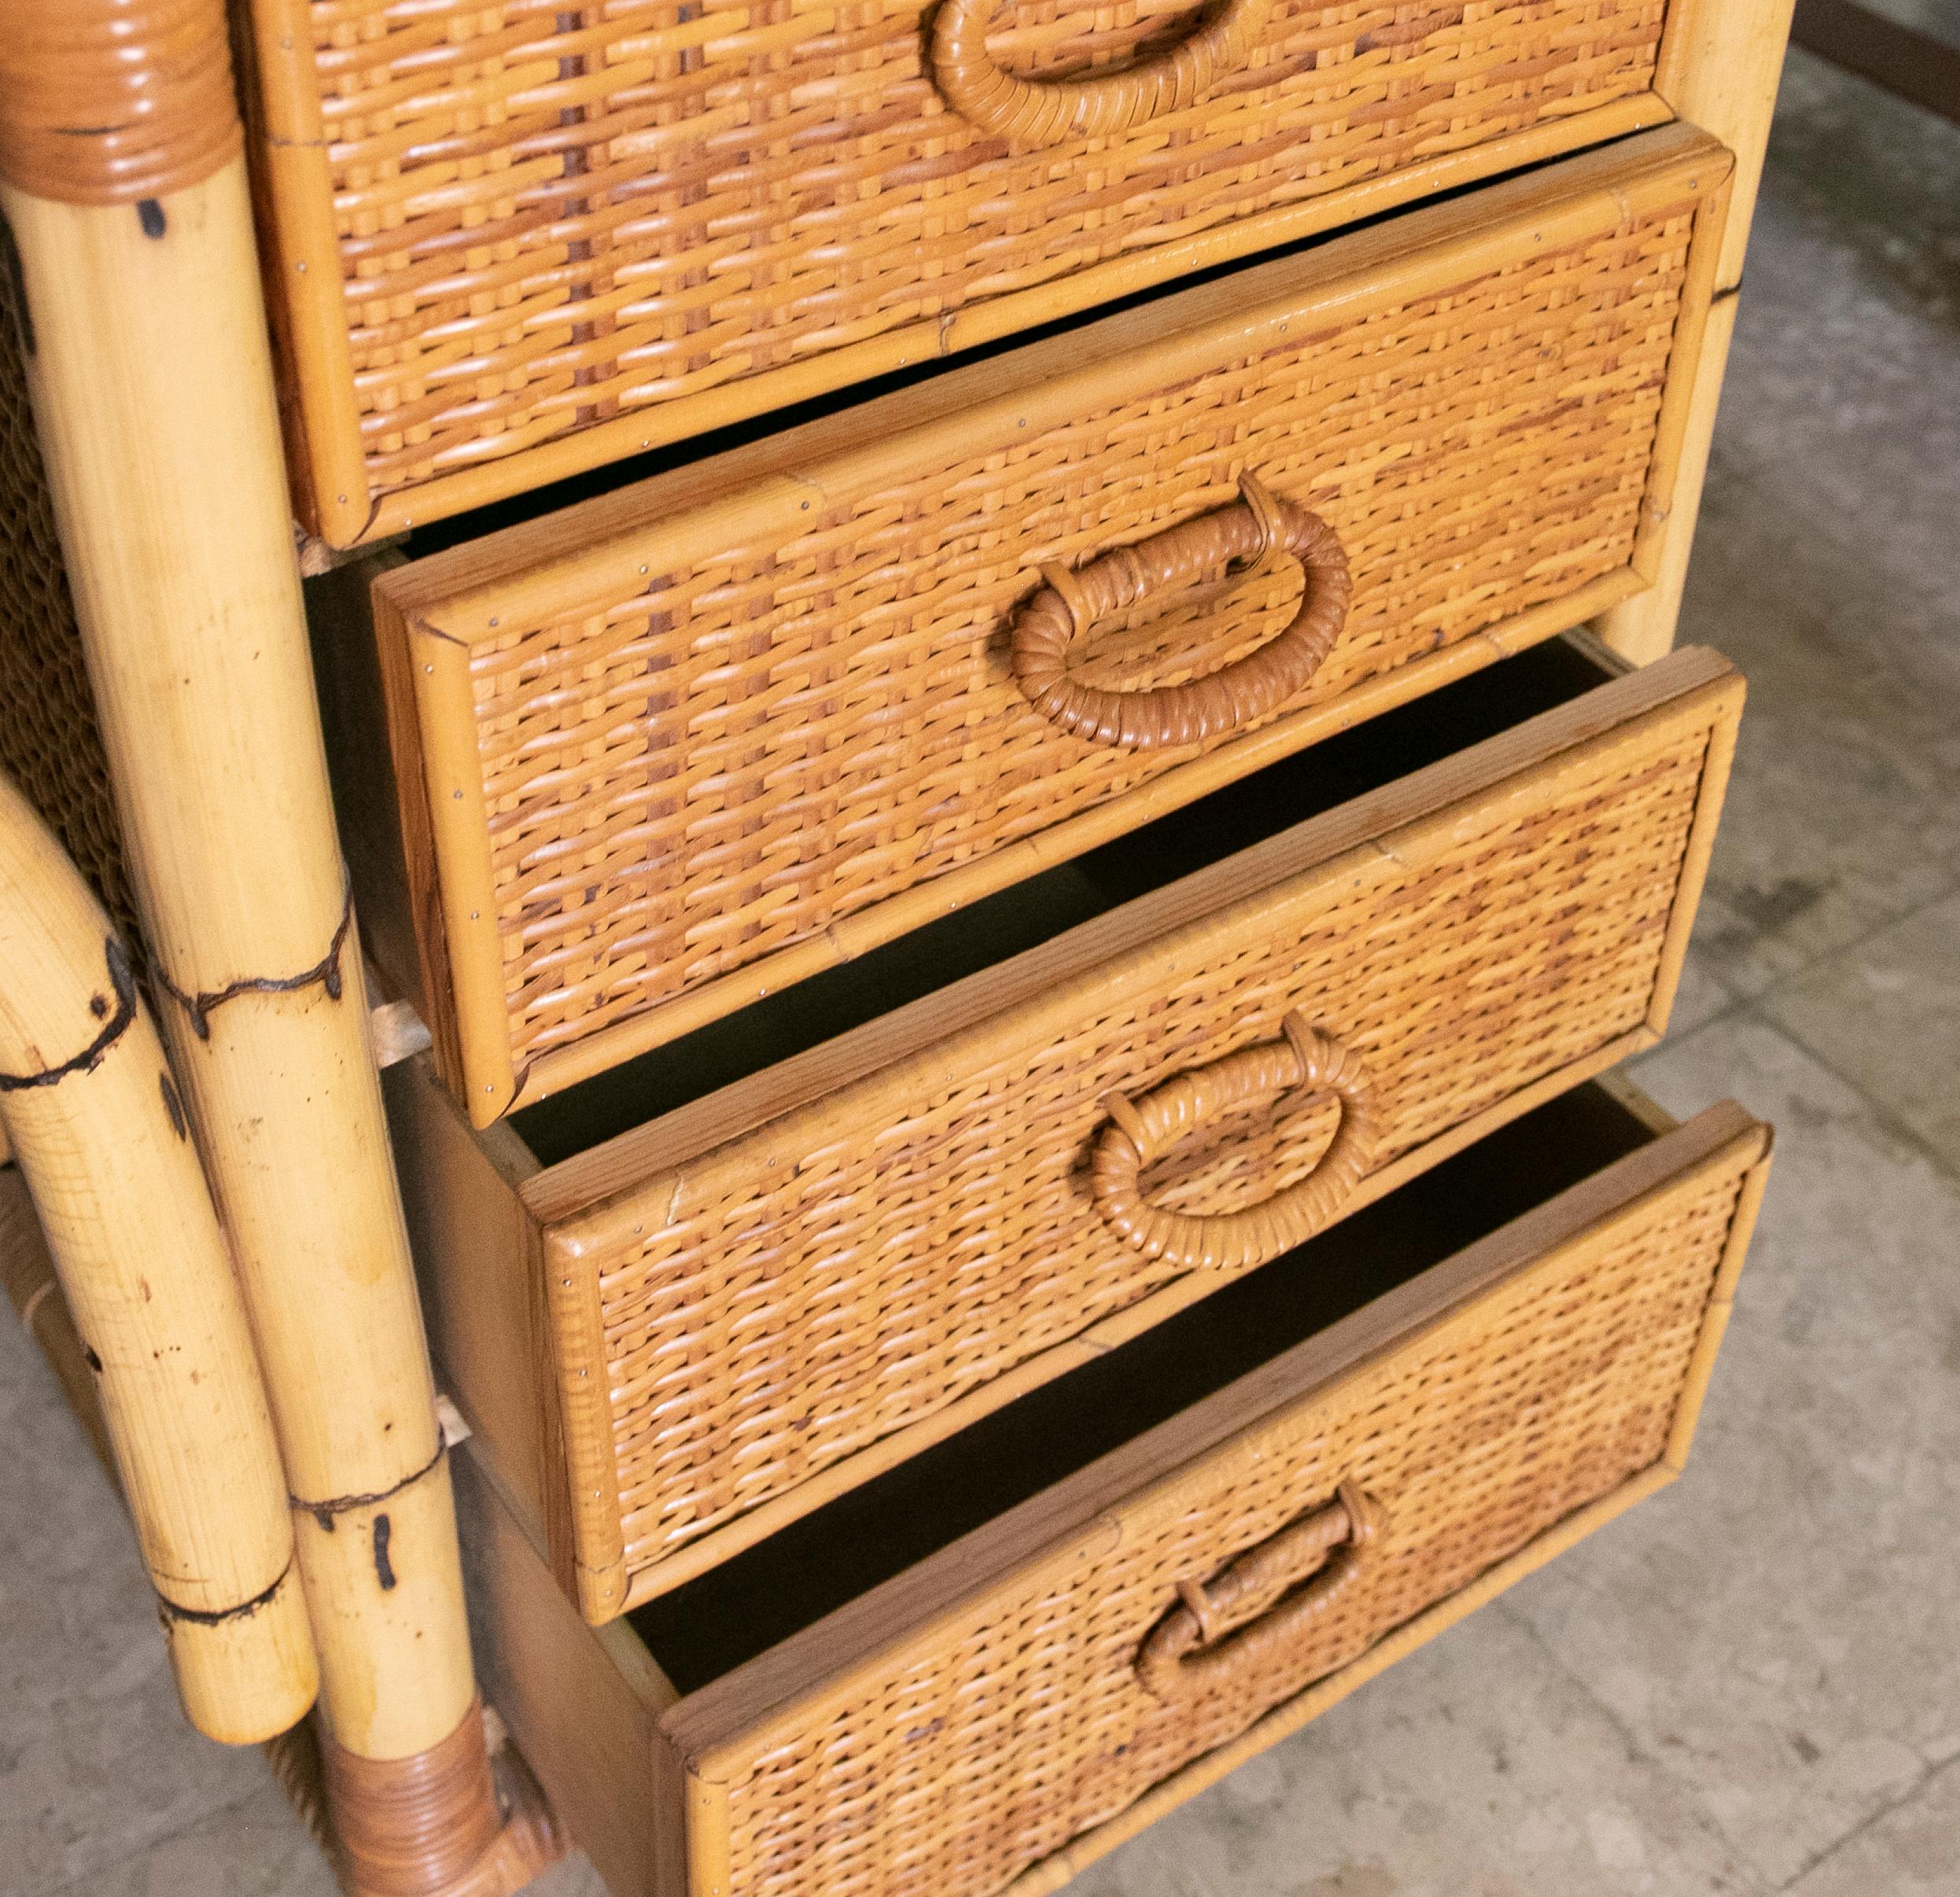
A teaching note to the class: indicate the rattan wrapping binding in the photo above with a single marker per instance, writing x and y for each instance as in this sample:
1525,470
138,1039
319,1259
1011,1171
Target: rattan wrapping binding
944,1762
516,239
694,741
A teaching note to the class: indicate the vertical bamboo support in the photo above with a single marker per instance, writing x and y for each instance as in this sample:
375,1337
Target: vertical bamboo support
1719,68
122,180
101,1139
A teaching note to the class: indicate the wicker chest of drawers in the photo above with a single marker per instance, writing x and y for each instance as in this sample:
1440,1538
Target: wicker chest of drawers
1009,1176
999,680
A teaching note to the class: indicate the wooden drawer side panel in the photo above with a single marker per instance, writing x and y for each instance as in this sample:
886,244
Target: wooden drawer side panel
795,1296
753,749
946,1764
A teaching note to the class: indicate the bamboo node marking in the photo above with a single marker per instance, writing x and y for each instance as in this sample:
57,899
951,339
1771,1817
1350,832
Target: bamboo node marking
327,971
174,1106
324,1512
169,1612
124,984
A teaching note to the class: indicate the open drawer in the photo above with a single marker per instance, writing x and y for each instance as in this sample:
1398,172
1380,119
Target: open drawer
989,1665
678,747
700,1295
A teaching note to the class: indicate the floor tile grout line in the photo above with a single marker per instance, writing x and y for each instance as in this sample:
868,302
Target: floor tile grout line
1928,1775
1886,1116
1816,963
1704,1820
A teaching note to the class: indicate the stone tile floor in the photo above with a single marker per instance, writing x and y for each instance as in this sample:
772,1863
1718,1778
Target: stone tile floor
1751,1685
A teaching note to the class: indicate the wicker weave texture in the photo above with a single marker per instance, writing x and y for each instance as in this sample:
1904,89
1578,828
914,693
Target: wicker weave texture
545,217
976,1748
802,1293
693,777
49,743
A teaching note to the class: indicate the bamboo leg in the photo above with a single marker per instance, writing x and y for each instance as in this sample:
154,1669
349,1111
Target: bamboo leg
120,177
100,1138
1719,69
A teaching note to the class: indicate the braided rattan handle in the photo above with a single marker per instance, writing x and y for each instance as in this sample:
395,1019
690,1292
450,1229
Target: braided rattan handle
1141,1132
1191,1651
1046,112
1257,526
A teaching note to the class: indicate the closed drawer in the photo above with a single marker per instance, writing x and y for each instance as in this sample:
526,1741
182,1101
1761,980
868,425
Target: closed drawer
983,1671
514,242
695,1299
676,748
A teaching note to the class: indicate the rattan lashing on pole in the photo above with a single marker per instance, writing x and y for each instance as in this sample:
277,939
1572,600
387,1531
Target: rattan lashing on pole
123,184
94,1117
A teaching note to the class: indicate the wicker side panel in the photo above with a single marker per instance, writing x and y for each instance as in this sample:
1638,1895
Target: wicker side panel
545,217
748,753
49,744
768,1325
987,1742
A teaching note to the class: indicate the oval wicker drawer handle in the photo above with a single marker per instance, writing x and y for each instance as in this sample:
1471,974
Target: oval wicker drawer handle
1258,527
1028,113
1192,1650
1142,1131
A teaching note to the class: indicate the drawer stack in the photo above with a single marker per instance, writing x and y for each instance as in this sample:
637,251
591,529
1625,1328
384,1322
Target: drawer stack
786,1281
1017,1173
665,752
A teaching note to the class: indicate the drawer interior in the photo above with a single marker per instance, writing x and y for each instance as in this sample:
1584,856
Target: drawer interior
707,1627
915,966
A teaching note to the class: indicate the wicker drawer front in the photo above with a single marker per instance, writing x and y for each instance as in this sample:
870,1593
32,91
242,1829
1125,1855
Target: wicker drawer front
1019,1701
515,241
681,746
769,1295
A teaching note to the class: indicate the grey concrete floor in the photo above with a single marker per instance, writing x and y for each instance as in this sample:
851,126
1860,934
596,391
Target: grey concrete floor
1752,1684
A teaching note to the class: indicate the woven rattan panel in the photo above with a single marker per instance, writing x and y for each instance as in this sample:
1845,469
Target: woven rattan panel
49,743
546,216
964,1756
775,1318
735,760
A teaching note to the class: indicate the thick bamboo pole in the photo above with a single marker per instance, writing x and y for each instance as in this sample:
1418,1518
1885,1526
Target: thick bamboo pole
101,1142
121,179
1719,67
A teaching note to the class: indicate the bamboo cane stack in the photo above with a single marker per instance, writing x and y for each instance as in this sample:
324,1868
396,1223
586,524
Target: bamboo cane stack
122,180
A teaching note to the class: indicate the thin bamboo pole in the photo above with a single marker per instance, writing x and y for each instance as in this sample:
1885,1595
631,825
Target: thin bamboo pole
101,1142
148,366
